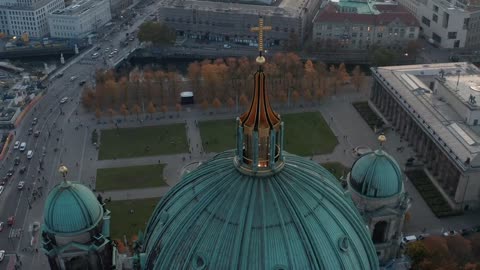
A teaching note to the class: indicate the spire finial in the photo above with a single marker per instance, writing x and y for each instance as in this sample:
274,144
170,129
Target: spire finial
63,170
382,139
260,28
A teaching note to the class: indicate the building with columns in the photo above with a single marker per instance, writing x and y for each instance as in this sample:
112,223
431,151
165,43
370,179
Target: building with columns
434,108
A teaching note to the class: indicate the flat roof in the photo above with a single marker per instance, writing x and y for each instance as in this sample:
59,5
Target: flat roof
286,8
78,7
445,125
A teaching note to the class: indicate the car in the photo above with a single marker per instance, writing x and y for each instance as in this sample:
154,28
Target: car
1,189
30,154
227,46
1,226
22,169
35,121
11,171
131,38
111,55
408,239
23,145
73,78
98,48
11,220
37,133
63,100
2,255
30,131
95,55
4,181
115,51
16,145
16,161
423,236
450,233
20,185
81,83
106,50
59,75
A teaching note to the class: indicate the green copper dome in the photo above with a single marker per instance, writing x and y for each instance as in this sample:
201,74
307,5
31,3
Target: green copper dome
377,175
219,217
71,208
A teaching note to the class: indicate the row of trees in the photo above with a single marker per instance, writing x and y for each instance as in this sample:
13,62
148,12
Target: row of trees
216,84
446,253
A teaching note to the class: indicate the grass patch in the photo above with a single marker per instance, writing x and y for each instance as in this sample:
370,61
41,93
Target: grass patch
125,223
130,177
430,194
305,134
143,141
372,119
336,168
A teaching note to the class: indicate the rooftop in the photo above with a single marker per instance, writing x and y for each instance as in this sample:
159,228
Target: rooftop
374,13
78,7
284,8
409,83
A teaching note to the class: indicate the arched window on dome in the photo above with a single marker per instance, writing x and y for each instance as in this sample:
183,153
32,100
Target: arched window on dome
379,232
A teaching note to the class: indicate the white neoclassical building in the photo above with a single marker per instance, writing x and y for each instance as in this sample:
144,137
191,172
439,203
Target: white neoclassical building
79,19
434,107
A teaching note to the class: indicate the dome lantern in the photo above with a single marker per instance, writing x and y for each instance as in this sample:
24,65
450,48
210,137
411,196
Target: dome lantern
259,130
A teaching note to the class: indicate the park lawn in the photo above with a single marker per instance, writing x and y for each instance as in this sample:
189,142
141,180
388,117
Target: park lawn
125,223
133,142
218,135
305,133
130,177
336,168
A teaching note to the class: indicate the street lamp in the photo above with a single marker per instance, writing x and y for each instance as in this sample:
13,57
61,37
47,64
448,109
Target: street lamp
63,170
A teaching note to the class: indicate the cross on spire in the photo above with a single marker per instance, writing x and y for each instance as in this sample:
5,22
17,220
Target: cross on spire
260,28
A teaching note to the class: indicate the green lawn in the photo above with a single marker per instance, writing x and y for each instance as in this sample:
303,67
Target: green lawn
336,168
305,134
218,136
130,177
124,222
144,141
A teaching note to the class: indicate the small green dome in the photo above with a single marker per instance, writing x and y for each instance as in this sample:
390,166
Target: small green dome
71,208
376,175
220,218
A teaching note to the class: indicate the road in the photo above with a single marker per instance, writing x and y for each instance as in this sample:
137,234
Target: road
65,140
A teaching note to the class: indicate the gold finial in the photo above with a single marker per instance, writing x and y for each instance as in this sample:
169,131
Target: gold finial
63,170
382,139
260,28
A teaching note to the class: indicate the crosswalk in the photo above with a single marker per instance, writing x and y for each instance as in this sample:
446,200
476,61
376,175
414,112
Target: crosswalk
15,233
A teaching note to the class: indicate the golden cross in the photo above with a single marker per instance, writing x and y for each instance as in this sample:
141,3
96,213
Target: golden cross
260,28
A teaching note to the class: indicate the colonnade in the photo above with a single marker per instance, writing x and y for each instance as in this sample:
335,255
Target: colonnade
435,160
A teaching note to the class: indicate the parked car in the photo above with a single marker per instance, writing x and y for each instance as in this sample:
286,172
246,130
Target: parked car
20,185
423,236
63,100
16,145
106,50
35,121
2,255
227,46
408,239
30,154
73,78
450,233
59,75
1,189
81,83
11,171
37,133
23,145
16,161
2,225
11,220
22,169
30,131
95,55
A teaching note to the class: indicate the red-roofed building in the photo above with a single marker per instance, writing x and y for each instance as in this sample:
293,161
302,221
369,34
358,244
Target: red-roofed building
359,25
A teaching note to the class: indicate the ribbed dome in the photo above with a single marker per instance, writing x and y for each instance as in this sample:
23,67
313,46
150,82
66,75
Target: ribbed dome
219,218
71,208
377,175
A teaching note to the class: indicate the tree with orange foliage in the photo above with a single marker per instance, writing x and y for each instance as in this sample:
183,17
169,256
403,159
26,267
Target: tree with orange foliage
309,77
124,111
98,113
195,77
230,103
136,109
204,105
217,104
88,97
358,78
343,76
111,113
295,96
164,109
151,109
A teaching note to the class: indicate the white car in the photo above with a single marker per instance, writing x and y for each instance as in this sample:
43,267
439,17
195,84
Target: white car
115,51
408,239
95,55
29,154
73,78
23,146
16,145
63,100
21,184
106,50
1,189
2,255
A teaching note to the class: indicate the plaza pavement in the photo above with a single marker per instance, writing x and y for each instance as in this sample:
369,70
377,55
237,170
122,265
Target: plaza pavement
351,131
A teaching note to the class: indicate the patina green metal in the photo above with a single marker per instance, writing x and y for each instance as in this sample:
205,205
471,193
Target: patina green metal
218,217
71,208
376,174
